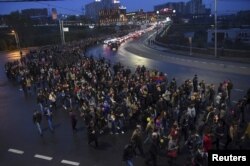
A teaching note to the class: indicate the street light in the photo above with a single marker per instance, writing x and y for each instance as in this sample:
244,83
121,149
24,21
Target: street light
190,45
215,28
17,42
62,31
157,12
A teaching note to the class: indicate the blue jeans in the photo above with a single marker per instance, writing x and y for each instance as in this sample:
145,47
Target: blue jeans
50,124
129,163
39,128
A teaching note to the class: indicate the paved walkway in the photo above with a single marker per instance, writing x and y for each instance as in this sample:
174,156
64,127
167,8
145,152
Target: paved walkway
158,46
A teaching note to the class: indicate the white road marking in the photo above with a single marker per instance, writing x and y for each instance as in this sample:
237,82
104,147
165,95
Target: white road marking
204,62
240,90
213,63
243,67
70,162
231,66
16,151
43,157
222,64
234,101
196,61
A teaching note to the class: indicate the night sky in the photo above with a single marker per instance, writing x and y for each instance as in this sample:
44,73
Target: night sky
76,6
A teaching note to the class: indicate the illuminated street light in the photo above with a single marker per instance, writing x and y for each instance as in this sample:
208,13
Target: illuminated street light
17,42
157,12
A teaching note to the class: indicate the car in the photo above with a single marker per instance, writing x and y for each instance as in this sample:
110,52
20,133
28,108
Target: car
109,41
114,46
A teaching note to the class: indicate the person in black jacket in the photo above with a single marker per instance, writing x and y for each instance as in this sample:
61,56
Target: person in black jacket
153,150
37,118
128,154
136,139
73,120
92,134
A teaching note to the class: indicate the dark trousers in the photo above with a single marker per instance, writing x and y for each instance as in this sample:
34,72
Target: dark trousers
152,158
139,146
93,138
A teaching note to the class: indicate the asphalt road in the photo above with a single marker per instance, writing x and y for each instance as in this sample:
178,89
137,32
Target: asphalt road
20,143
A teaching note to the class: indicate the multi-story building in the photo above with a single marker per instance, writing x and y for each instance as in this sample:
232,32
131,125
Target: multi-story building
115,16
193,7
169,7
54,13
93,9
141,17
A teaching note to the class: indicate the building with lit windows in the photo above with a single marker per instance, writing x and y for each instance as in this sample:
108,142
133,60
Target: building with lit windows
93,9
166,8
115,16
192,7
141,17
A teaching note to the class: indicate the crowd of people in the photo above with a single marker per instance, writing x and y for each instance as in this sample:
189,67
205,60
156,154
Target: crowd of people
192,117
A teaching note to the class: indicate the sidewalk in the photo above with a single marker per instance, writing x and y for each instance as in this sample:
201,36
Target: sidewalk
203,56
159,46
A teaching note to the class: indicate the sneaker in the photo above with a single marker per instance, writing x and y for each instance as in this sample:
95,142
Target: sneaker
65,108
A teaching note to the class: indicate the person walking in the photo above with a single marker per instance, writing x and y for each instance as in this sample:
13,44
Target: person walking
37,118
153,150
48,115
92,134
172,150
136,139
128,154
195,83
73,120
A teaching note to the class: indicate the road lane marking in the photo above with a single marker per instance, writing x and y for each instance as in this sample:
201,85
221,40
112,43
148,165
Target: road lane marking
213,63
234,101
43,157
204,62
243,67
70,162
16,151
196,61
240,90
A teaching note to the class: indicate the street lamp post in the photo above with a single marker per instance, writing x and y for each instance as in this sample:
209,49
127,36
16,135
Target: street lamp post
62,31
190,45
157,12
17,42
215,28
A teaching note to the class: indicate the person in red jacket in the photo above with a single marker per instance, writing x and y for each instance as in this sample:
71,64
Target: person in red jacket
207,142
